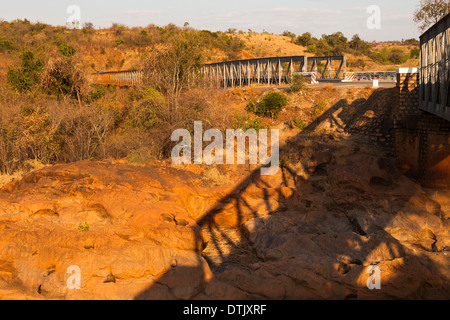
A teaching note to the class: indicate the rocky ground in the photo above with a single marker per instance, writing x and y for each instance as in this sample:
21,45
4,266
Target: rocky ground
164,232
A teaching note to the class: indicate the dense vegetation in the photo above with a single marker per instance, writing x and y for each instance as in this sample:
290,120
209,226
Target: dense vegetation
338,44
50,112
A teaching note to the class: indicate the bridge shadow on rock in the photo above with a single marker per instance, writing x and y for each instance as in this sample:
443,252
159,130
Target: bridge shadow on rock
336,207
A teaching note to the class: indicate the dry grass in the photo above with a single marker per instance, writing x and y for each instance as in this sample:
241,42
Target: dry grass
215,177
270,45
30,166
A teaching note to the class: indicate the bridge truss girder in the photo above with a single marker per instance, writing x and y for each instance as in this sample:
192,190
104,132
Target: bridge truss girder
434,78
272,70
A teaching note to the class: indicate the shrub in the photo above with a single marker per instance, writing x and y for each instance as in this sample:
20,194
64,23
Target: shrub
358,64
66,50
5,45
320,106
146,109
141,156
64,76
24,78
254,124
99,91
239,121
297,83
300,124
414,54
214,176
394,55
37,136
119,29
270,105
398,56
412,41
83,226
312,48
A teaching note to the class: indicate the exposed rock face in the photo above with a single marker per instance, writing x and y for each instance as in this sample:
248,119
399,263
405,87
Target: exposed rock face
127,239
158,232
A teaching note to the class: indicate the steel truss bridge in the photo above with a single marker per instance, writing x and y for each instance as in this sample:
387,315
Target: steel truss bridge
434,77
275,70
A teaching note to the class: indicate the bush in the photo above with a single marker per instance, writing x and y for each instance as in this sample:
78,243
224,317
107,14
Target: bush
412,41
270,105
83,226
146,109
245,122
312,48
300,124
65,76
297,83
141,156
66,50
99,91
5,45
24,78
387,56
414,54
320,106
398,56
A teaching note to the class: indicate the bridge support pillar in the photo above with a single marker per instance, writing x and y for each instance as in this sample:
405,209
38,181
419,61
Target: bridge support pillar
422,140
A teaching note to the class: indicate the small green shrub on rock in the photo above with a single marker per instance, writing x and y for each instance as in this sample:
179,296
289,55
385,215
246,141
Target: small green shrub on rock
270,105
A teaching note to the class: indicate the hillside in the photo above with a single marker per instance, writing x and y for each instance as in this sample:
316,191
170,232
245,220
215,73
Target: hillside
121,48
270,45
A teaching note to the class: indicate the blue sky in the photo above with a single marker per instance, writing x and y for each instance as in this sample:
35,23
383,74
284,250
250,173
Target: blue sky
274,16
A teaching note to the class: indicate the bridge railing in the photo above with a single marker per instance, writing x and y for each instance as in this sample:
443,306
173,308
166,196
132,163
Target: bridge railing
434,77
382,75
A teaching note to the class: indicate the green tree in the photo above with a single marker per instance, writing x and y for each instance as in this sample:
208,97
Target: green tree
305,39
359,45
289,35
337,41
172,69
311,48
27,75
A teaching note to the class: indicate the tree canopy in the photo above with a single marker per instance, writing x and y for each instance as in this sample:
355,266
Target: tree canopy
429,12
